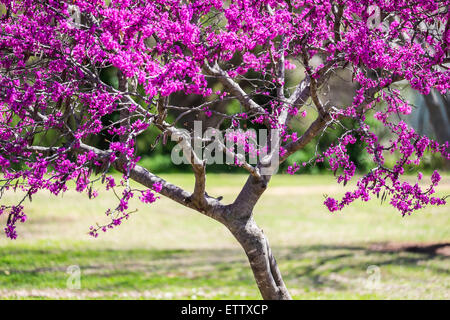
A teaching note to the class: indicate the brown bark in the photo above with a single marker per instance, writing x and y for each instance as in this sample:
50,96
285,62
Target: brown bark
264,266
238,218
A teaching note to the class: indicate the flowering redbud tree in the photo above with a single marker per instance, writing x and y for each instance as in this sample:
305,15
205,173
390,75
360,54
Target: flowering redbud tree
53,52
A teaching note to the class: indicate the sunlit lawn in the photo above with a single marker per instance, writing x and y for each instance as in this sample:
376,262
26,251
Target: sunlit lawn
166,251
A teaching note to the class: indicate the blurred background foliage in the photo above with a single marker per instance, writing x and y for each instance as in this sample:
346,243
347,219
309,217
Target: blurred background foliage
430,116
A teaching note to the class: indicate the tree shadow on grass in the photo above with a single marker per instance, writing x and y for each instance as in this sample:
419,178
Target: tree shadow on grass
315,267
353,262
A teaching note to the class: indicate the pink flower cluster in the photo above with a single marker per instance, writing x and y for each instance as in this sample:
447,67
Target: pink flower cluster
53,53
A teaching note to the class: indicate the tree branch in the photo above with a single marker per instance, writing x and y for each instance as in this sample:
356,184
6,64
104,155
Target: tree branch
233,87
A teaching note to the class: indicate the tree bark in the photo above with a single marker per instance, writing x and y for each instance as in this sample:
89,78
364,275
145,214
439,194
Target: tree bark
264,266
237,217
439,110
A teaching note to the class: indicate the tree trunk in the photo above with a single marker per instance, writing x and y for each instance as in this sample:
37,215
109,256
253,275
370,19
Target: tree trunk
238,218
264,266
439,110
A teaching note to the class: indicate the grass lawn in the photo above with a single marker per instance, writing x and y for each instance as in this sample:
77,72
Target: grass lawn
165,251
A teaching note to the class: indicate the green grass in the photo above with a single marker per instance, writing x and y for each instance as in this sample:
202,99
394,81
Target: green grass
166,251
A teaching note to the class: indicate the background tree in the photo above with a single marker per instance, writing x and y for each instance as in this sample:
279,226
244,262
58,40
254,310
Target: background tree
432,118
60,121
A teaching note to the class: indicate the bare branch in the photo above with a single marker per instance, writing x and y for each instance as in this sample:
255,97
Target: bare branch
233,87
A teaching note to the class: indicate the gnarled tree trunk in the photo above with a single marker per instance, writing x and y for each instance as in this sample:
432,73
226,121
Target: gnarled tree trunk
237,217
264,266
